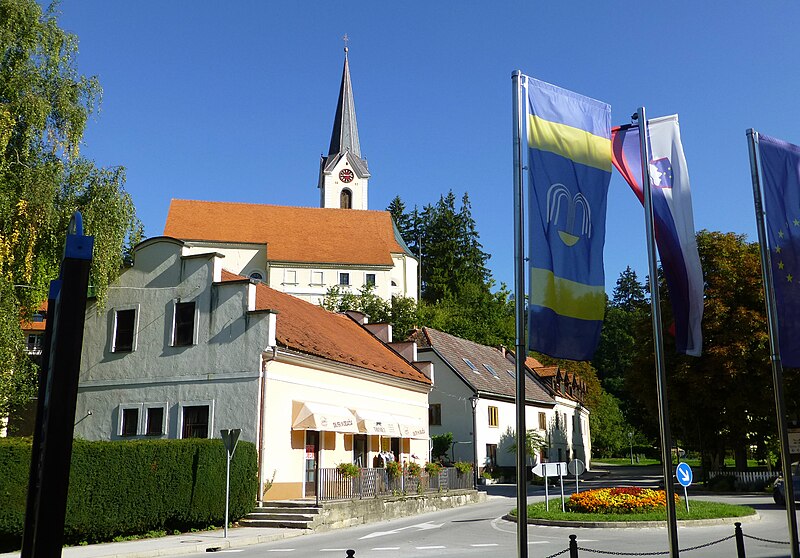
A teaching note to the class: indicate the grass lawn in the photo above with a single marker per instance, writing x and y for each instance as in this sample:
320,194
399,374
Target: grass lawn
697,510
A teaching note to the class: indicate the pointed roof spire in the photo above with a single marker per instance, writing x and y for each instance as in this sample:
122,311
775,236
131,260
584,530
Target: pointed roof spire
345,130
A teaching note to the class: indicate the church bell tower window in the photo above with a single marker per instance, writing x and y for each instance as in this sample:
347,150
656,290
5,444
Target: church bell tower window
346,199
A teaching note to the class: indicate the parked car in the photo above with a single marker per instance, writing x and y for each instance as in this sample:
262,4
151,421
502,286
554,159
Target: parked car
778,490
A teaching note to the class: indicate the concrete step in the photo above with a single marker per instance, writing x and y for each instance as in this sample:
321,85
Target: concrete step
287,504
280,523
280,516
277,509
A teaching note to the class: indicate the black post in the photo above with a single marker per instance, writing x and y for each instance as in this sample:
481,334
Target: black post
351,553
573,545
49,502
739,540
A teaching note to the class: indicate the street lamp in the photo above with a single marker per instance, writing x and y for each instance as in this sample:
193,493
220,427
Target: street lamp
630,439
474,401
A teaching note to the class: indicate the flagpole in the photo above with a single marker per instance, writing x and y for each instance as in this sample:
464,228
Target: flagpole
519,295
658,341
772,325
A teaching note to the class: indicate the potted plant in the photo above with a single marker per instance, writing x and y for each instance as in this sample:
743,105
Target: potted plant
433,468
394,469
463,467
414,469
348,470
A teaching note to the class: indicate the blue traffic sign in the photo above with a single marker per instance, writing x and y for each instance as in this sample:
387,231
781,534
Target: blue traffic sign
684,474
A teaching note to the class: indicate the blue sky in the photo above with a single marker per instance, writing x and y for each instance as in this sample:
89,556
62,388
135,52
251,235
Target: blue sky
235,101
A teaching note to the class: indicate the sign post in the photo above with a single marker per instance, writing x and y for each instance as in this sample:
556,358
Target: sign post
576,467
229,438
551,470
684,474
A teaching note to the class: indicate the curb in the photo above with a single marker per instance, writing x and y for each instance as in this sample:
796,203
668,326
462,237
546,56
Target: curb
638,524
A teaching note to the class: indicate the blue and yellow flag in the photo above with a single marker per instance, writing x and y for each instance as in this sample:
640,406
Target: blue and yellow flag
569,161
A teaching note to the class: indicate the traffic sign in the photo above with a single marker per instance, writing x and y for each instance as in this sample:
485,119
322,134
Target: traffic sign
557,469
230,438
684,474
576,467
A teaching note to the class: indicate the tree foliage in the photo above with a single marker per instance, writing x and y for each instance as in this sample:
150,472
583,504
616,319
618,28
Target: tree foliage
44,107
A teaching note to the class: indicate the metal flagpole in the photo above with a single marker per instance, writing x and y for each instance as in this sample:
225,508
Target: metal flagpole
519,295
658,342
772,324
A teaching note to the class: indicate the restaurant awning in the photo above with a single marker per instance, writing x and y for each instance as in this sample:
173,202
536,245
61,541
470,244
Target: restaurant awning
377,423
412,428
324,417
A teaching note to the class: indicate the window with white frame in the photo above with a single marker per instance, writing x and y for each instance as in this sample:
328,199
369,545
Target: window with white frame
369,280
125,320
290,277
196,419
184,325
155,419
128,423
316,278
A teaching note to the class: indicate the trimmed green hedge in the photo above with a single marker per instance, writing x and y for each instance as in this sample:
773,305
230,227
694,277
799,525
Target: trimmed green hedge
132,487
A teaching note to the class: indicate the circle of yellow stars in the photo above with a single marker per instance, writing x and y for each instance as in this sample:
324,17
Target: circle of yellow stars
778,250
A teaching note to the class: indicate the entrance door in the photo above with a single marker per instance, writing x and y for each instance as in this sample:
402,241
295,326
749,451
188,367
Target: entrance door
312,455
360,450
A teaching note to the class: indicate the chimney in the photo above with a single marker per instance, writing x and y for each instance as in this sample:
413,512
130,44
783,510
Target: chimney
381,331
359,317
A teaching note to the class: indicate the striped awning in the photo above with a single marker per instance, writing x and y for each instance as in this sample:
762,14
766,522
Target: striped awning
377,423
324,417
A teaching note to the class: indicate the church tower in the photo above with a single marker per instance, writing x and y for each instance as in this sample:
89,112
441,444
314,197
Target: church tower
343,174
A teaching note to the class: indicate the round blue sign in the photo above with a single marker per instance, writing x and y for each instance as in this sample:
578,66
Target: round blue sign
684,474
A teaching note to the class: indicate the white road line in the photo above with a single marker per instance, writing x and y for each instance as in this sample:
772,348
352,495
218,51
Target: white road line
281,550
333,550
485,544
429,547
233,550
538,542
386,548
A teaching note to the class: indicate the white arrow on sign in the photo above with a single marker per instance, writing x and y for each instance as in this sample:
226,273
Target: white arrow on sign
420,526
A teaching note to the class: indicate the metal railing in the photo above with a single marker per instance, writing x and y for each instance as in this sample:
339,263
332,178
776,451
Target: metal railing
375,482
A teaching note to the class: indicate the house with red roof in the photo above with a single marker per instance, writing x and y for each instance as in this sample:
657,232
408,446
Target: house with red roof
185,347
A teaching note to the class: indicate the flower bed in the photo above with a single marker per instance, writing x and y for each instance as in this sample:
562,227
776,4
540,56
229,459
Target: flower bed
629,499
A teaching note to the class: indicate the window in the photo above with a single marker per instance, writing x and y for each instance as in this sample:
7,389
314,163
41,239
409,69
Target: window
124,330
370,280
346,199
316,278
493,416
491,455
471,366
130,422
154,421
256,275
576,422
542,421
491,370
344,279
435,414
195,421
34,342
184,324
290,277
512,374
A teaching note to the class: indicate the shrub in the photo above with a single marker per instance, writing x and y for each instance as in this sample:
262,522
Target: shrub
394,469
433,468
348,470
722,483
463,467
133,487
414,469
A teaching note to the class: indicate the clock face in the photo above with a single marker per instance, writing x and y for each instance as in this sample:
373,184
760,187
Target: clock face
346,175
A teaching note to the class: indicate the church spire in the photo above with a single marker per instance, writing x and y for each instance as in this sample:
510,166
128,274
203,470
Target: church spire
345,130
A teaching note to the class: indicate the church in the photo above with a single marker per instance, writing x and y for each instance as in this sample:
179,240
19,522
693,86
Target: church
304,251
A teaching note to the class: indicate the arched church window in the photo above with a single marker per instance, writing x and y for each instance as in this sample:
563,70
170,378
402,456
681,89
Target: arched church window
257,275
346,199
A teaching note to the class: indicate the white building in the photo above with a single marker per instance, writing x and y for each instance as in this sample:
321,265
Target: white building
184,348
476,384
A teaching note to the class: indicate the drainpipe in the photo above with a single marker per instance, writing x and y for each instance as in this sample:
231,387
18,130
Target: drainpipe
474,401
262,411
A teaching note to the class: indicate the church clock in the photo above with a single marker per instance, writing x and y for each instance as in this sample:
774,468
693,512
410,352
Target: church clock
346,176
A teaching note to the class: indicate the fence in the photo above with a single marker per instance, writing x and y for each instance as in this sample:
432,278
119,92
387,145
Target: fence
746,480
574,550
374,482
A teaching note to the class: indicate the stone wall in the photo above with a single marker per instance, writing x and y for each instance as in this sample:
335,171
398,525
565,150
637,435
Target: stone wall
336,515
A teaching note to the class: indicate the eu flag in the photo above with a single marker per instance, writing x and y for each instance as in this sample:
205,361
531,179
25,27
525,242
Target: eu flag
569,162
780,169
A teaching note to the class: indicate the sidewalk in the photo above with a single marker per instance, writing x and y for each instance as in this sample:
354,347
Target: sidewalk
176,545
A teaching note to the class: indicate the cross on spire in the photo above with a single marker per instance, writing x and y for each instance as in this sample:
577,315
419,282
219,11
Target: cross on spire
346,40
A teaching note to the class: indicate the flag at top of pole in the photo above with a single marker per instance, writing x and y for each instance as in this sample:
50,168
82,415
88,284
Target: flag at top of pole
569,162
674,221
780,171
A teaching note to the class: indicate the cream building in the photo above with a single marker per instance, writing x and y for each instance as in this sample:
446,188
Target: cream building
184,348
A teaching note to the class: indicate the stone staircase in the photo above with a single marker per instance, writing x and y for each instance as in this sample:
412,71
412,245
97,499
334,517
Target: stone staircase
285,514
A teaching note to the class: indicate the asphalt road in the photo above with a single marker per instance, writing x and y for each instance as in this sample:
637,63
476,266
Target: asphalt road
479,530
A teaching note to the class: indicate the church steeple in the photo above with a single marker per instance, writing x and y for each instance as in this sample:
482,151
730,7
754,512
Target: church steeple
344,174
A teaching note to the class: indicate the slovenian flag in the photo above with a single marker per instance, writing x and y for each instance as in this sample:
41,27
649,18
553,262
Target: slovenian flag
674,223
569,162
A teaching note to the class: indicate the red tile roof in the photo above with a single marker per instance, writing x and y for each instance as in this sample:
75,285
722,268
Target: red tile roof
27,325
310,329
292,234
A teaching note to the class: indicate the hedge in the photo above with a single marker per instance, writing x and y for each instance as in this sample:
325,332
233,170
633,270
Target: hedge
132,487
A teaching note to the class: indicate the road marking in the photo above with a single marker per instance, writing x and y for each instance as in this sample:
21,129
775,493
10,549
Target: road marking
485,544
538,542
421,526
281,550
233,550
429,547
333,550
386,548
